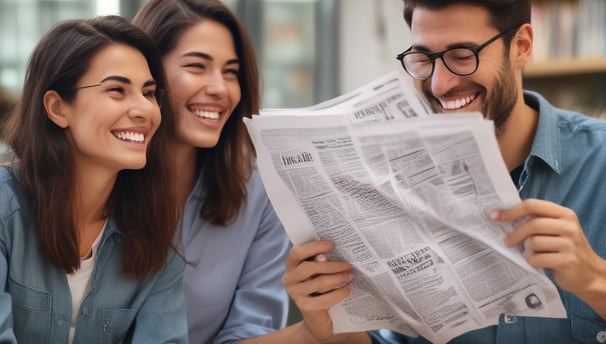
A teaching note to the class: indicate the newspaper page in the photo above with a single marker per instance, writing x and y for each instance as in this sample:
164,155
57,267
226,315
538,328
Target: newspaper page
405,199
382,99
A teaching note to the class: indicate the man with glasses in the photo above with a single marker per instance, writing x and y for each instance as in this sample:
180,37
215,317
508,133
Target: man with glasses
469,55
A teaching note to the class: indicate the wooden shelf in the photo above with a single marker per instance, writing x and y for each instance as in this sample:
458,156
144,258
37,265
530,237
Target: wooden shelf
555,68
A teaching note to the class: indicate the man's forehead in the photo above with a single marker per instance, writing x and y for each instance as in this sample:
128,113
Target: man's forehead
450,25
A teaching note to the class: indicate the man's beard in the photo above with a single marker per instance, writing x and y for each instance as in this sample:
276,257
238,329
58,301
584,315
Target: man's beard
499,108
504,98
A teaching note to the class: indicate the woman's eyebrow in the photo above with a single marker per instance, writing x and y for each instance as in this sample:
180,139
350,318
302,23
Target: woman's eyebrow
126,80
118,78
208,57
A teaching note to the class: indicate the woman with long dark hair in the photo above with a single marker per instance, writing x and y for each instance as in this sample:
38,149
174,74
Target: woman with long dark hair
86,215
233,242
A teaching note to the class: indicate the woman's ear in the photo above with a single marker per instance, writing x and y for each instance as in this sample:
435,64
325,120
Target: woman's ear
53,103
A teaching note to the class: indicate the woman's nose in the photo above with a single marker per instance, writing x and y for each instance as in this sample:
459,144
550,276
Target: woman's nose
216,84
143,108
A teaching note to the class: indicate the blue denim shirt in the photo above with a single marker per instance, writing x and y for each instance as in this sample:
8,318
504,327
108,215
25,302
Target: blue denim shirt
566,165
35,301
233,279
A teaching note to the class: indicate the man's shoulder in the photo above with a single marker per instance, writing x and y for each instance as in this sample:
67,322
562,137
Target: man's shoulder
566,119
545,107
577,123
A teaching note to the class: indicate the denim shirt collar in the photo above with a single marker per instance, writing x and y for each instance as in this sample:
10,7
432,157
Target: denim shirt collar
546,144
111,228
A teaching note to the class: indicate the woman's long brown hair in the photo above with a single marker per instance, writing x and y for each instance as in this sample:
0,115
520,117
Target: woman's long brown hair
142,202
227,166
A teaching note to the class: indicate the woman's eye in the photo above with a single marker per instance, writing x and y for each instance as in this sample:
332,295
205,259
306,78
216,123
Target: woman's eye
150,94
116,90
195,66
232,73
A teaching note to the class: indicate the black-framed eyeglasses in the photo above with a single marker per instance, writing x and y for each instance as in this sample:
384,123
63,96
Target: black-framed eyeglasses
461,61
76,88
86,86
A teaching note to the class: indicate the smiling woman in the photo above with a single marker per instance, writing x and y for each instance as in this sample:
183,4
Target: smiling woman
232,239
114,119
89,182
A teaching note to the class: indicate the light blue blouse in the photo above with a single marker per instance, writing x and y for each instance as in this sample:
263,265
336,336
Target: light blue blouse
566,165
233,279
35,300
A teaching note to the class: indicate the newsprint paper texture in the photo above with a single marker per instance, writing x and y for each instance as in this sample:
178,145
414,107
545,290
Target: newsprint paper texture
405,196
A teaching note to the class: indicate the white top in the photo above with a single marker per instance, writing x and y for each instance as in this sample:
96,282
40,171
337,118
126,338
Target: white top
79,282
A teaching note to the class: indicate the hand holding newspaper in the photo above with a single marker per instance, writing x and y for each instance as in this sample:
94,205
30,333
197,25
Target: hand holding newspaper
405,197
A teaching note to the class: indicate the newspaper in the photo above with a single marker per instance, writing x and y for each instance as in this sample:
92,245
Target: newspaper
405,196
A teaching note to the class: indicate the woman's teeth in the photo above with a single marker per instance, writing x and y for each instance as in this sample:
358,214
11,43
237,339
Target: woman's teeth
206,114
130,136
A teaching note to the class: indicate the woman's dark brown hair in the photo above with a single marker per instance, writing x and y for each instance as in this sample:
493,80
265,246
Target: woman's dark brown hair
227,166
141,202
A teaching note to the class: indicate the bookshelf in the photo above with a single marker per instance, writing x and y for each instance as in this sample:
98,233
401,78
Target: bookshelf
569,54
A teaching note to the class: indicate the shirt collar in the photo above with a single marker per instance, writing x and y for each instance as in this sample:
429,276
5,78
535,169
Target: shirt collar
111,227
546,144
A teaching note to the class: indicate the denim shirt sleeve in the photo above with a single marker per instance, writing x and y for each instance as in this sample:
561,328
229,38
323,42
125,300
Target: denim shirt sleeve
260,304
162,318
7,334
6,317
385,337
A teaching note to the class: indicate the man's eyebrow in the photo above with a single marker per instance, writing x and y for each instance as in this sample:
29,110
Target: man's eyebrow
450,46
208,57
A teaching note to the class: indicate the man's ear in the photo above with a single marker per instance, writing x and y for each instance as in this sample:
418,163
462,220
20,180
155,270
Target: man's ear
522,45
53,103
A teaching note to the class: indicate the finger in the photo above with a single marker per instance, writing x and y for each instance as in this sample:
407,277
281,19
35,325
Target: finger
551,260
311,269
531,208
302,252
535,226
548,244
324,283
323,301
541,226
318,285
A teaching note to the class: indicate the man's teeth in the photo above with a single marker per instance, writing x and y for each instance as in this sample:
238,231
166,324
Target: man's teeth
130,136
206,114
457,103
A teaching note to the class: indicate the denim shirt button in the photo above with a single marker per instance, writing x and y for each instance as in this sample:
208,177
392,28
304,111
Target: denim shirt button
601,337
86,310
510,319
61,322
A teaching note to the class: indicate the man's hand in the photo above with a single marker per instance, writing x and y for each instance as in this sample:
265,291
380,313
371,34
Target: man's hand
557,242
315,285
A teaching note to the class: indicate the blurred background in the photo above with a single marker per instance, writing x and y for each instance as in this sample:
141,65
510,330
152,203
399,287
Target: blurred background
313,50
309,50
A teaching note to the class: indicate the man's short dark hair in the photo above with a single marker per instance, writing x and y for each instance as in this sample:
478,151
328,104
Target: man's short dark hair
504,14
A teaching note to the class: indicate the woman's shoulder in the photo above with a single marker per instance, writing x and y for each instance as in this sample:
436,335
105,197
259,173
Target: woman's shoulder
9,185
6,172
12,197
255,187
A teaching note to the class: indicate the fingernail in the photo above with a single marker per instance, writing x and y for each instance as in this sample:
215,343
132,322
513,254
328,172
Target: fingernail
320,258
494,215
